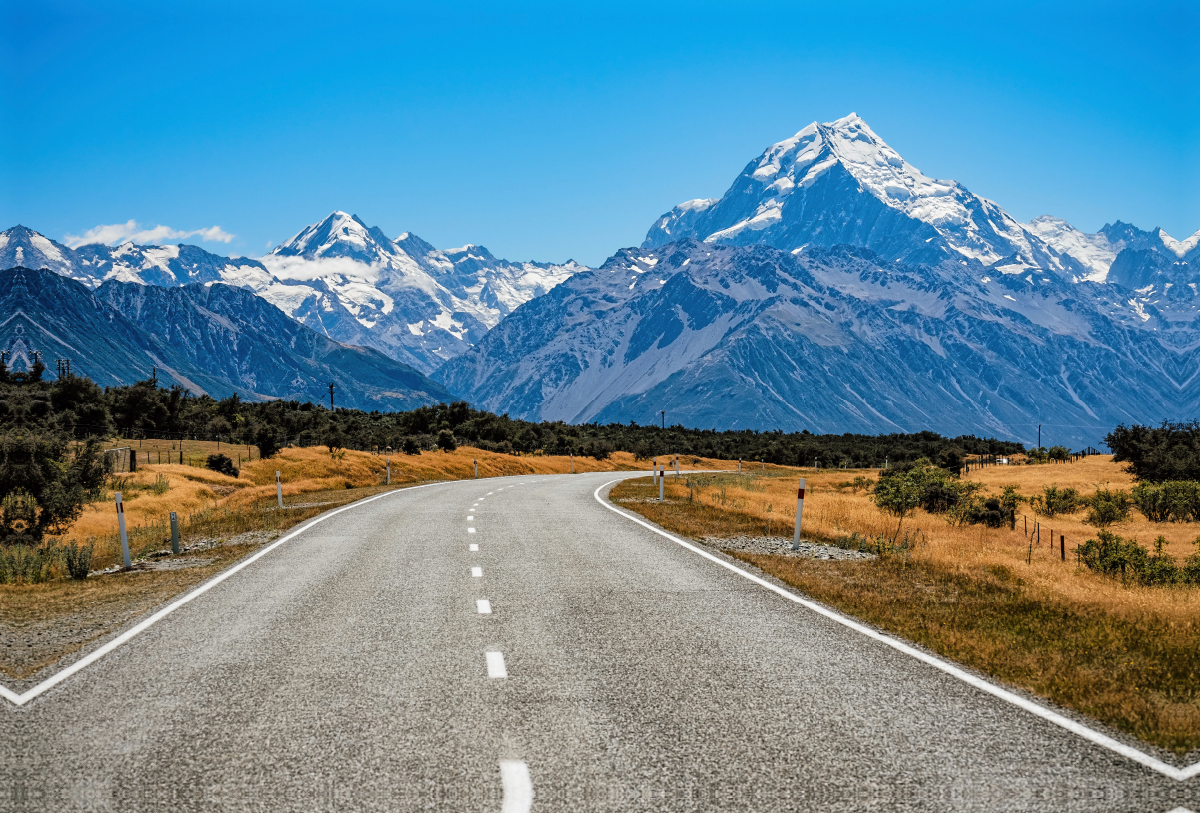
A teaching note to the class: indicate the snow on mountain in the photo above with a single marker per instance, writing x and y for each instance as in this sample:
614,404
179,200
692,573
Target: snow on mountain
1094,251
404,297
340,277
831,339
1179,248
96,263
839,183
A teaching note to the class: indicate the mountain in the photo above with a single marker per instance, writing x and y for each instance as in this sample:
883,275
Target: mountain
831,340
146,265
404,297
1124,254
839,184
211,338
413,302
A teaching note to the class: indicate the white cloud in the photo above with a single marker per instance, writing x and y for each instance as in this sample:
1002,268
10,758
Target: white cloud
120,232
298,268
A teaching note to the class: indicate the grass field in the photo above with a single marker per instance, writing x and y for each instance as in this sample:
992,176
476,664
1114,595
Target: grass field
1125,654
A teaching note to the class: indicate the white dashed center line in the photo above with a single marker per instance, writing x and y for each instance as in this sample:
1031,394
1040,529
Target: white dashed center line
473,547
477,572
518,789
483,606
470,530
495,664
490,493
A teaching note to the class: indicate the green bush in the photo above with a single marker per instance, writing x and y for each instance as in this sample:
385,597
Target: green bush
1054,501
221,463
1174,500
79,559
446,441
1116,556
27,564
1107,507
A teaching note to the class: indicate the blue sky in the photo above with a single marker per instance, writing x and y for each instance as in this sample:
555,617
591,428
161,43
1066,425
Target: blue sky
548,131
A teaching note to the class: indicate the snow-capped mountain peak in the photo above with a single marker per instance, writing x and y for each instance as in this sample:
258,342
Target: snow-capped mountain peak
1178,247
839,182
338,235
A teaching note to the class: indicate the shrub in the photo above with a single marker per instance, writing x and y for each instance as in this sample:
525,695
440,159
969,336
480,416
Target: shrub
1107,507
221,463
1054,500
79,560
161,485
1175,500
411,446
1112,555
267,442
446,441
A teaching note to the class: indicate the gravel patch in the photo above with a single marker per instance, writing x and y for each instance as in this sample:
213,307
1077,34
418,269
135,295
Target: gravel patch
782,546
158,560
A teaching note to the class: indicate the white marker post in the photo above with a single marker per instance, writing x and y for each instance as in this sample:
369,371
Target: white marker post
739,465
572,462
655,470
389,471
121,527
799,515
764,464
661,481
174,532
279,489
676,465
475,460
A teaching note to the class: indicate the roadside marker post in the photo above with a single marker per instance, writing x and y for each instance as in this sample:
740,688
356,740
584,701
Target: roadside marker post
661,480
764,464
389,471
739,465
279,489
475,460
121,527
174,532
799,514
572,462
656,470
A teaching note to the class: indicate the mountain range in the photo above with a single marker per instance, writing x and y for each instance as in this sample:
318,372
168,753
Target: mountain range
213,339
350,282
833,287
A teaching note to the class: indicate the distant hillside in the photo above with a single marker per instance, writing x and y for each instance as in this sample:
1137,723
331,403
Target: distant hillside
213,339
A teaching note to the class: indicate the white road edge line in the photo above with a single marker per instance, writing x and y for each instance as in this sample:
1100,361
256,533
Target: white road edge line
518,789
1077,728
88,660
495,665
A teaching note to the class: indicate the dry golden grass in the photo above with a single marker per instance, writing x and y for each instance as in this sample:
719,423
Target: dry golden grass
1126,654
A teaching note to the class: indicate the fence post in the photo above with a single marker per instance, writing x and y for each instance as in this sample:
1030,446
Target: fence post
279,489
1062,546
121,528
132,460
799,514
174,532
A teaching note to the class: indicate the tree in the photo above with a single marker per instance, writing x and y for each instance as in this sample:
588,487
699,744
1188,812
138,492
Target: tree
1167,452
898,495
266,440
446,441
44,483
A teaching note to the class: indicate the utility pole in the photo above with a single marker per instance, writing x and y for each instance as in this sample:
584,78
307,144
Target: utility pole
1039,436
664,418
331,388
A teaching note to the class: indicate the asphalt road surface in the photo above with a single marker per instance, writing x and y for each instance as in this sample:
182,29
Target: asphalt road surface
573,661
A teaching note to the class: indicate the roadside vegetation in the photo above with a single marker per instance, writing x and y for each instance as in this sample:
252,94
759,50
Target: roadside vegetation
969,568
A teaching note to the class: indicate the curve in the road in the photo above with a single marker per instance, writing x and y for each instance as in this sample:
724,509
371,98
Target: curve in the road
1075,727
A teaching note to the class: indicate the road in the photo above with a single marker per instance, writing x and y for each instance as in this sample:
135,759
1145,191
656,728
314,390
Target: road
349,669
